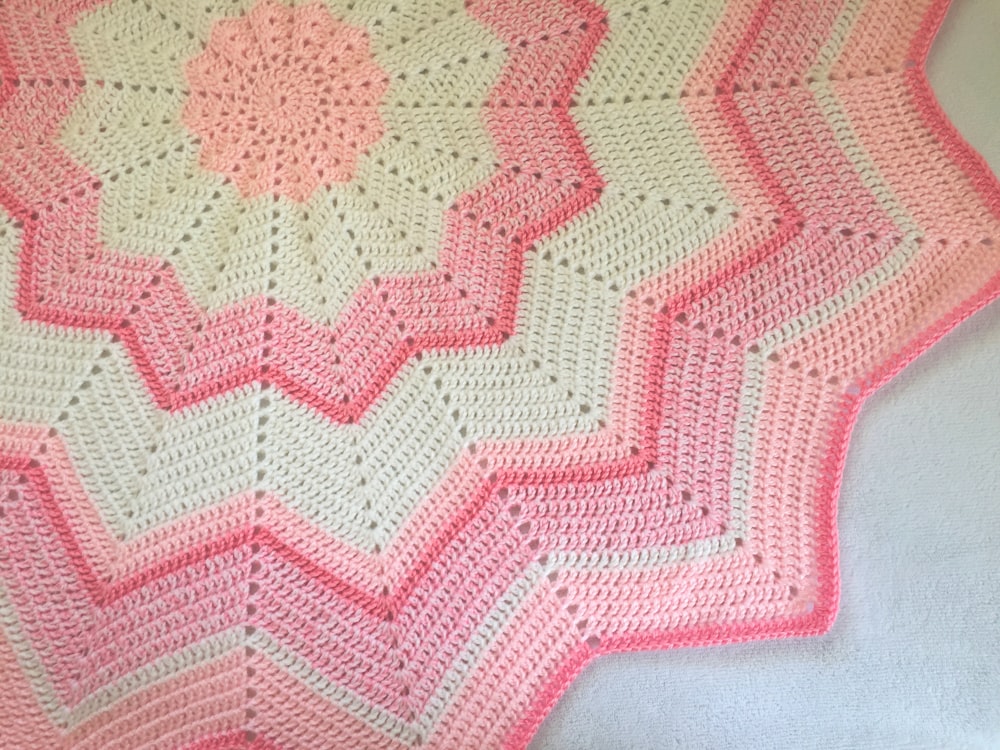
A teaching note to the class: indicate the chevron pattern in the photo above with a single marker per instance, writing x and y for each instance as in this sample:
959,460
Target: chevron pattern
368,368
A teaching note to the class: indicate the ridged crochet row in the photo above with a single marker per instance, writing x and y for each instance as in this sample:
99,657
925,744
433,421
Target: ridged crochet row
370,367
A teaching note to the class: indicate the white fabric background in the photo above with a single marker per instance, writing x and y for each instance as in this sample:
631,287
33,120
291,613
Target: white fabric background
913,659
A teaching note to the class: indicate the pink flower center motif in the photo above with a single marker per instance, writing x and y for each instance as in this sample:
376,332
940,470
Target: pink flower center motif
284,100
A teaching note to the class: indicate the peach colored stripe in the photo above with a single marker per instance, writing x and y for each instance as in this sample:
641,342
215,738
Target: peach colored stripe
727,38
933,189
880,37
783,41
32,729
702,634
186,355
940,279
86,643
187,705
787,535
514,665
123,560
499,689
205,698
294,717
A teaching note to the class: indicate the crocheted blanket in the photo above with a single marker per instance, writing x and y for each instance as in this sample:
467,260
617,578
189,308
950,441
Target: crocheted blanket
369,366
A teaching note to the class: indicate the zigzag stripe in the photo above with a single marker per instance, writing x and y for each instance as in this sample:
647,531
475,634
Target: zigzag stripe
186,355
776,577
778,547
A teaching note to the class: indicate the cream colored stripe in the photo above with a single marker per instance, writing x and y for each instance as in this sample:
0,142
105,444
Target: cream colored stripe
462,665
200,455
650,49
156,200
31,666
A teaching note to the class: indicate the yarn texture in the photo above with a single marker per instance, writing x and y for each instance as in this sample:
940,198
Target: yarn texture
367,367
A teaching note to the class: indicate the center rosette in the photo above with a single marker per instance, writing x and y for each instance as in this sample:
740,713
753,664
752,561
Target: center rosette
372,176
284,99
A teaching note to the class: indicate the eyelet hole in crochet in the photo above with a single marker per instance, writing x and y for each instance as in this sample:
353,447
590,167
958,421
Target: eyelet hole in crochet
298,111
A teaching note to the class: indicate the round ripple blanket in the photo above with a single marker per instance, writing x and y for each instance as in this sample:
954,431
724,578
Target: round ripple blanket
369,366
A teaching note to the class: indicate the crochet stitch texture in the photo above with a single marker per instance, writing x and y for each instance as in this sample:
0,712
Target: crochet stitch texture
370,366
